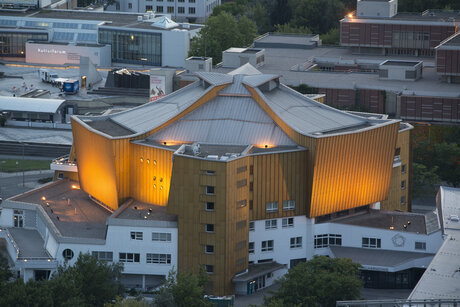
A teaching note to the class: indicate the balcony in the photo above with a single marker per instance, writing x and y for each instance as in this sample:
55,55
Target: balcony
64,165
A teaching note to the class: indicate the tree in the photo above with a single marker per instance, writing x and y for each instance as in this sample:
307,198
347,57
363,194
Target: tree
424,180
319,282
220,33
186,289
320,16
447,158
288,28
332,37
5,272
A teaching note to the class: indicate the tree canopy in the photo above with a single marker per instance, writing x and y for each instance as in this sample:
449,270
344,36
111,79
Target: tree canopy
222,32
89,282
319,282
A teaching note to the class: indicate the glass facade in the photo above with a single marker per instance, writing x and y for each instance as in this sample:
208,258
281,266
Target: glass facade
14,44
133,47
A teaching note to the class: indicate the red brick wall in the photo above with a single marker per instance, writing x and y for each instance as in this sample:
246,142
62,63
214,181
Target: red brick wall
368,100
430,108
372,100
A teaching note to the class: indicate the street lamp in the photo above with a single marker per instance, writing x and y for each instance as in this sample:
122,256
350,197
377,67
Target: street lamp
23,175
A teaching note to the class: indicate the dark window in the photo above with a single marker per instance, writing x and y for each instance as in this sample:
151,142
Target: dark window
251,248
209,227
420,245
67,254
209,269
209,249
130,5
103,256
191,10
410,74
148,8
170,9
210,190
209,206
159,9
129,257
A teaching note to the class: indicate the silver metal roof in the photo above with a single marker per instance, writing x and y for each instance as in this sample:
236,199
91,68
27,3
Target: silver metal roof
441,279
214,77
21,104
257,80
308,116
226,120
236,87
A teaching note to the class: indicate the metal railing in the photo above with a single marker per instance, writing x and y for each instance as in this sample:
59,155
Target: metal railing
400,302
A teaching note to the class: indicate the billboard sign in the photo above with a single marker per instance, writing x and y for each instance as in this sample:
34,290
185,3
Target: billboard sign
157,87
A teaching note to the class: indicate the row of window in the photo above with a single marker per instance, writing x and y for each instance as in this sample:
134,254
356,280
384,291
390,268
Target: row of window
170,9
156,236
269,245
325,240
273,224
273,206
149,258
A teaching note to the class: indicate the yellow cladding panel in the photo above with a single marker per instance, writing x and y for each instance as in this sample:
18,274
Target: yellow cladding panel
352,170
150,174
96,169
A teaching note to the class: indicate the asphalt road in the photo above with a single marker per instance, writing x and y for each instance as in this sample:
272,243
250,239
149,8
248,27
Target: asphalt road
11,184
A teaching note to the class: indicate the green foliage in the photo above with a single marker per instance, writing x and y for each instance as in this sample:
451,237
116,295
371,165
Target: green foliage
131,302
182,290
88,283
319,282
2,120
5,272
220,33
447,158
332,37
424,180
288,28
422,5
318,15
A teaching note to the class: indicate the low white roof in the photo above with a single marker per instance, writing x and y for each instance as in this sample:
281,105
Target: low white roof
21,104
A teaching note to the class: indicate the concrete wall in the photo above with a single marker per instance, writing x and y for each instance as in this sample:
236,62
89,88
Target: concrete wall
66,54
377,9
175,47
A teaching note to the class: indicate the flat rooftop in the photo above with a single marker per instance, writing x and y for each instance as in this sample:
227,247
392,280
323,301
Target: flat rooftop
109,127
111,19
401,63
70,209
215,151
415,222
137,210
29,243
298,40
452,42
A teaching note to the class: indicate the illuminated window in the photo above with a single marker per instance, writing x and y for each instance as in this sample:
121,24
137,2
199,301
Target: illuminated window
154,162
288,222
209,249
371,242
154,186
137,235
267,246
209,228
141,159
270,224
158,258
148,161
289,205
18,218
296,242
161,236
272,206
129,257
67,254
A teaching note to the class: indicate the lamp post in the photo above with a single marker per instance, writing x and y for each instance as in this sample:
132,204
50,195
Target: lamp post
23,175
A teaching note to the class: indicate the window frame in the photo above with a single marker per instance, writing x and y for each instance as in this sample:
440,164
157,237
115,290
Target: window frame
271,224
295,242
288,205
267,246
129,257
286,222
271,206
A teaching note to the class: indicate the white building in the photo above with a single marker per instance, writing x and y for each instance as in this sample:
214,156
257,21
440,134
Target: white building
180,10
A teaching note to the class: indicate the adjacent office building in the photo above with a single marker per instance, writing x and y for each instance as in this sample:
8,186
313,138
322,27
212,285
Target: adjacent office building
237,174
376,27
143,39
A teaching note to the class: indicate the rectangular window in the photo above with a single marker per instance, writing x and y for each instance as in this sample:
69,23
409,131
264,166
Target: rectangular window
191,10
288,222
371,242
180,0
403,200
158,258
289,205
18,218
270,224
161,236
251,248
403,184
208,172
209,228
241,203
241,183
272,206
209,249
191,1
170,9
209,269
383,73
159,9
130,5
267,246
103,256
210,190
251,226
209,206
129,257
148,8
403,169
325,240
296,242
137,235
420,245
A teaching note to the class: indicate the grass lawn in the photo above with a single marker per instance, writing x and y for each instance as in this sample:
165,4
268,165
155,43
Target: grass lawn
9,165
